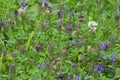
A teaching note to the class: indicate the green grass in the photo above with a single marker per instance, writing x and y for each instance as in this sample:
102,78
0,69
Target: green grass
33,37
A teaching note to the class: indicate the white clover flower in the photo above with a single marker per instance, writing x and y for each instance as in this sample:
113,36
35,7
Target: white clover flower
92,23
22,10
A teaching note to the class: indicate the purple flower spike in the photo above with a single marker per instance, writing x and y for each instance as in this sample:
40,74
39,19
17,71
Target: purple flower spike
60,76
73,64
46,2
113,57
59,25
59,13
39,65
104,46
74,42
23,3
76,78
99,67
69,28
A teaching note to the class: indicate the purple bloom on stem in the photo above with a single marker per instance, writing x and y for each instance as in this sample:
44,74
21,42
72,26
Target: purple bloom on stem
2,22
60,76
74,42
46,2
59,13
113,57
104,46
76,78
23,3
59,25
69,28
73,64
39,65
99,67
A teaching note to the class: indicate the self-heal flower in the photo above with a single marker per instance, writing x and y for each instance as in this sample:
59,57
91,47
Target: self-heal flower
69,28
99,67
113,57
104,46
74,42
73,64
23,3
76,78
59,25
61,76
46,2
59,13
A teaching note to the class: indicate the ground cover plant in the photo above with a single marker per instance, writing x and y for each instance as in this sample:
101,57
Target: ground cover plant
59,40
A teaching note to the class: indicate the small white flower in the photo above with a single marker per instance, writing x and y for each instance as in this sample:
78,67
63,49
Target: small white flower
92,24
22,10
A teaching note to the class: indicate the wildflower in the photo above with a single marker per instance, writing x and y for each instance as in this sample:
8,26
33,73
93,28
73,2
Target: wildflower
22,10
59,25
117,16
113,57
73,64
39,47
59,13
80,57
92,25
99,67
74,42
23,3
14,54
69,28
46,3
60,76
15,12
76,78
51,47
82,19
39,65
39,4
104,46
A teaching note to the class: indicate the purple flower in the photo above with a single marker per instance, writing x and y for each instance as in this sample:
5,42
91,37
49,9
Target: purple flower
39,65
60,76
59,13
104,46
76,78
2,22
74,42
113,57
59,25
69,28
23,3
73,64
99,67
46,2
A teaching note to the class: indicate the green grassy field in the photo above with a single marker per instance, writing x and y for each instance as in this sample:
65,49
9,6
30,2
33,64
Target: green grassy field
59,40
